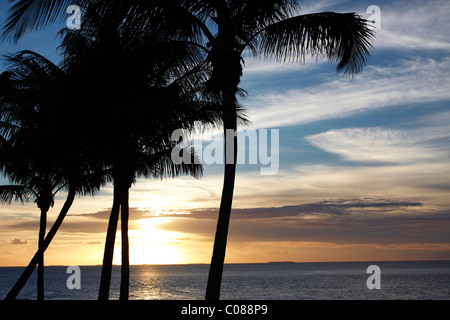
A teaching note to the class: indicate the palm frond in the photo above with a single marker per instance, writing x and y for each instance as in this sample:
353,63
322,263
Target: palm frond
203,9
7,129
159,164
241,116
31,66
26,15
89,181
8,193
264,12
345,38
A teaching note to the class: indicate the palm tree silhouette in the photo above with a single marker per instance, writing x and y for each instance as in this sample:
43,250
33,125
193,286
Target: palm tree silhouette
26,142
269,29
23,193
31,123
174,81
153,91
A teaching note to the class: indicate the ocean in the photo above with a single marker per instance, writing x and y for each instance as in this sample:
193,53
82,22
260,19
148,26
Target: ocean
411,280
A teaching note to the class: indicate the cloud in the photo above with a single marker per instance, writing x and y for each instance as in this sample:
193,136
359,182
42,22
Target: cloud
334,207
408,25
90,243
134,214
377,87
385,145
357,221
408,180
17,241
257,66
20,225
405,24
69,225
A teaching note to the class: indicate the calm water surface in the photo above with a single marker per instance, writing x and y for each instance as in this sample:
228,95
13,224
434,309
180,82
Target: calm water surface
284,281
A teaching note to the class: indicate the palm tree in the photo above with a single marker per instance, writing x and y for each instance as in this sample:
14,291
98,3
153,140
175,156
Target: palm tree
22,193
173,61
270,29
152,92
26,163
31,124
37,258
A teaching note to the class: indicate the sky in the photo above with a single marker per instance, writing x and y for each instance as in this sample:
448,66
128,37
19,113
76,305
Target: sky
363,174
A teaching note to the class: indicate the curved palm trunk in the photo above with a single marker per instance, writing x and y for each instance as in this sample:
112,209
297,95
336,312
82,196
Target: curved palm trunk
12,294
105,280
220,241
125,268
40,276
226,75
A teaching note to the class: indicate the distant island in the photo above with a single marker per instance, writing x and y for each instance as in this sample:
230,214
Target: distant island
281,262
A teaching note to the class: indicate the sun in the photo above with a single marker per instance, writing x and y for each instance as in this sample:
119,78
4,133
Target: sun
151,245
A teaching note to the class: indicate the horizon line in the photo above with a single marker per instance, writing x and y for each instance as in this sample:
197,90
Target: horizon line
232,263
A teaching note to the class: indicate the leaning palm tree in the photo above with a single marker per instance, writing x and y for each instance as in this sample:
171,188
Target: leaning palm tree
26,163
31,125
37,189
23,194
80,182
82,177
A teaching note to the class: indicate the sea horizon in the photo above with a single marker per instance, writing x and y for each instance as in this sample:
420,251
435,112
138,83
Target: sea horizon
232,263
282,280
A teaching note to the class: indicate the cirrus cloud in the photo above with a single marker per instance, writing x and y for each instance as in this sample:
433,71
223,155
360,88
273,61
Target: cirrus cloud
385,145
412,81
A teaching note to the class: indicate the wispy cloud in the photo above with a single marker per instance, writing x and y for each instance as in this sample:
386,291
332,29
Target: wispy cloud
415,24
330,207
412,81
385,145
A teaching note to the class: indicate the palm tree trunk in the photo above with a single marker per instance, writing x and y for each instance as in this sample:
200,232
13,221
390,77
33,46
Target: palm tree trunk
105,280
40,277
220,241
12,294
125,268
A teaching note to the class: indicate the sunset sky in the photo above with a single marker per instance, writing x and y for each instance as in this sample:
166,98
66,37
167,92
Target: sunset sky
364,170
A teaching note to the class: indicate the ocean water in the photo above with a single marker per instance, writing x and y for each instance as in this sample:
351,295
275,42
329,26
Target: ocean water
413,280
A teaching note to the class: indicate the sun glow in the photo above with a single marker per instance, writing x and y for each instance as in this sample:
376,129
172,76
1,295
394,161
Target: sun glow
151,245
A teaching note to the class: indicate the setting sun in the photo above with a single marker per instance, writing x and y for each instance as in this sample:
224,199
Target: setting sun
150,245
